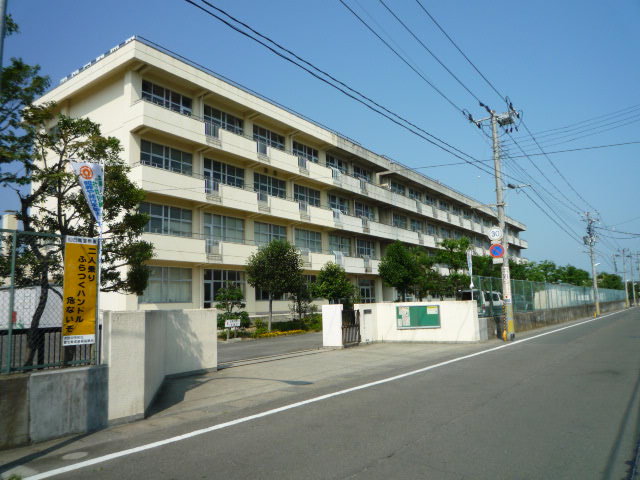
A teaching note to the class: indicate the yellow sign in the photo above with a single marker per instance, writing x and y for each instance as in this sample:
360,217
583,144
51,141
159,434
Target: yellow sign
79,291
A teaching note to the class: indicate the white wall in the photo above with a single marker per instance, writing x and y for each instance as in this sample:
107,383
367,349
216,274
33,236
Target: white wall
458,323
143,347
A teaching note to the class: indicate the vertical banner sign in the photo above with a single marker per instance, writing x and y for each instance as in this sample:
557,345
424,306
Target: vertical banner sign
91,179
79,291
470,267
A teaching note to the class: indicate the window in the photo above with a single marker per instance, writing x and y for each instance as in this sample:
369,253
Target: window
431,229
444,205
337,163
456,210
214,280
399,221
367,290
166,158
429,200
362,173
267,137
218,228
264,233
269,185
486,221
364,210
466,214
218,172
167,220
307,195
166,98
308,240
417,225
168,285
364,247
264,295
338,243
445,232
415,194
224,120
396,187
304,151
338,203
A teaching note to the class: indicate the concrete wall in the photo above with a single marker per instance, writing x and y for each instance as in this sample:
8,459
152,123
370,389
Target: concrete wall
50,404
458,323
552,316
143,347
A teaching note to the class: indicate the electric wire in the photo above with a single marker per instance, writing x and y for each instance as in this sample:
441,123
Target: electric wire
411,32
404,60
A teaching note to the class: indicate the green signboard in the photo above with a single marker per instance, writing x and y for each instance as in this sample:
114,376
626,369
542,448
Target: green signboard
416,316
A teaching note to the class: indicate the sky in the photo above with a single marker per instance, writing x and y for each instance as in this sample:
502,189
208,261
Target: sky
570,67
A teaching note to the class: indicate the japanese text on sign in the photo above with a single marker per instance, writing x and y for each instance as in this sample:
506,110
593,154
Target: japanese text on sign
79,291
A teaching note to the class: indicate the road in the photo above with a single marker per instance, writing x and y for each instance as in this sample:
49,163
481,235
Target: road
250,349
563,405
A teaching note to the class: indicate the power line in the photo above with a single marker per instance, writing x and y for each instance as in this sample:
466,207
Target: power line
328,82
459,49
404,60
429,50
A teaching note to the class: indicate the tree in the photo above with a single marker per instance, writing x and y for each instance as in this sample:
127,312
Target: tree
301,298
332,283
453,254
274,268
399,268
574,276
229,298
610,280
545,271
55,204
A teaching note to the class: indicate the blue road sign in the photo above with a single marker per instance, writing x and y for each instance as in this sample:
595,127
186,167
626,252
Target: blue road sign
496,250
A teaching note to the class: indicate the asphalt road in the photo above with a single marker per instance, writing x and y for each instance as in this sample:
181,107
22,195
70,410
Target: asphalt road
565,405
249,349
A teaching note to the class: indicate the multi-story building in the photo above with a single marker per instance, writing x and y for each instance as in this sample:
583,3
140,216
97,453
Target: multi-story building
226,170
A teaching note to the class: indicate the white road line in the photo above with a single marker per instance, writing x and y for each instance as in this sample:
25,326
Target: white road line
220,426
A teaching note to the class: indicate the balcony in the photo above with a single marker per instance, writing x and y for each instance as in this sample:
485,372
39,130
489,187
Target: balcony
168,183
172,248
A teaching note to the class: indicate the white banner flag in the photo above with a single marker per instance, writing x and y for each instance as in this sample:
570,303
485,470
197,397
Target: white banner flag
91,178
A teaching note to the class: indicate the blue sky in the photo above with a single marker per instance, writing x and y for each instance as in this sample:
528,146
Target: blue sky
559,62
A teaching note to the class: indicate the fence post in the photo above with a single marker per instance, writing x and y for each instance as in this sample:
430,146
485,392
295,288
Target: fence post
12,275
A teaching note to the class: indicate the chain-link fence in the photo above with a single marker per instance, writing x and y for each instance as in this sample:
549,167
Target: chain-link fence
31,268
532,296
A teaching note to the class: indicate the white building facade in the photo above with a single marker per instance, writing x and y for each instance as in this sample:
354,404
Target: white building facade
225,171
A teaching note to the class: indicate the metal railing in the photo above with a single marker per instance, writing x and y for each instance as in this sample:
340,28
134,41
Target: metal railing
31,307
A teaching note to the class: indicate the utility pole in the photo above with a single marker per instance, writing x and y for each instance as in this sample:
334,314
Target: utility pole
633,279
623,254
590,240
502,119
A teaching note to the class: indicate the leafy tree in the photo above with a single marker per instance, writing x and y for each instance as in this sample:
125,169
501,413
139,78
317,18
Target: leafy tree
276,269
574,276
398,268
545,271
332,283
453,255
55,204
301,299
610,280
229,298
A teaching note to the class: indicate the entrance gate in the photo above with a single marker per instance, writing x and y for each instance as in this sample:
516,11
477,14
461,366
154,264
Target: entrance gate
350,327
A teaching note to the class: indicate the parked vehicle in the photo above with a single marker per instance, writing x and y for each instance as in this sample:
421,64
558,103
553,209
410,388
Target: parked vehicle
489,302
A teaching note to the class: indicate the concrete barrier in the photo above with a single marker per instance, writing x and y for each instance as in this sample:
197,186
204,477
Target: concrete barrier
65,401
44,405
14,410
143,347
458,323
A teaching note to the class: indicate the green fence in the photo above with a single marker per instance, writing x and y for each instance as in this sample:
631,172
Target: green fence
31,304
532,296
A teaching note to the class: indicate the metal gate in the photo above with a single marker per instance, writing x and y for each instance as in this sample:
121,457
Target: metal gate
350,327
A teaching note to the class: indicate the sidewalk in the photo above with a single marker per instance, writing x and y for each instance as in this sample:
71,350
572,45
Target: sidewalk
201,400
